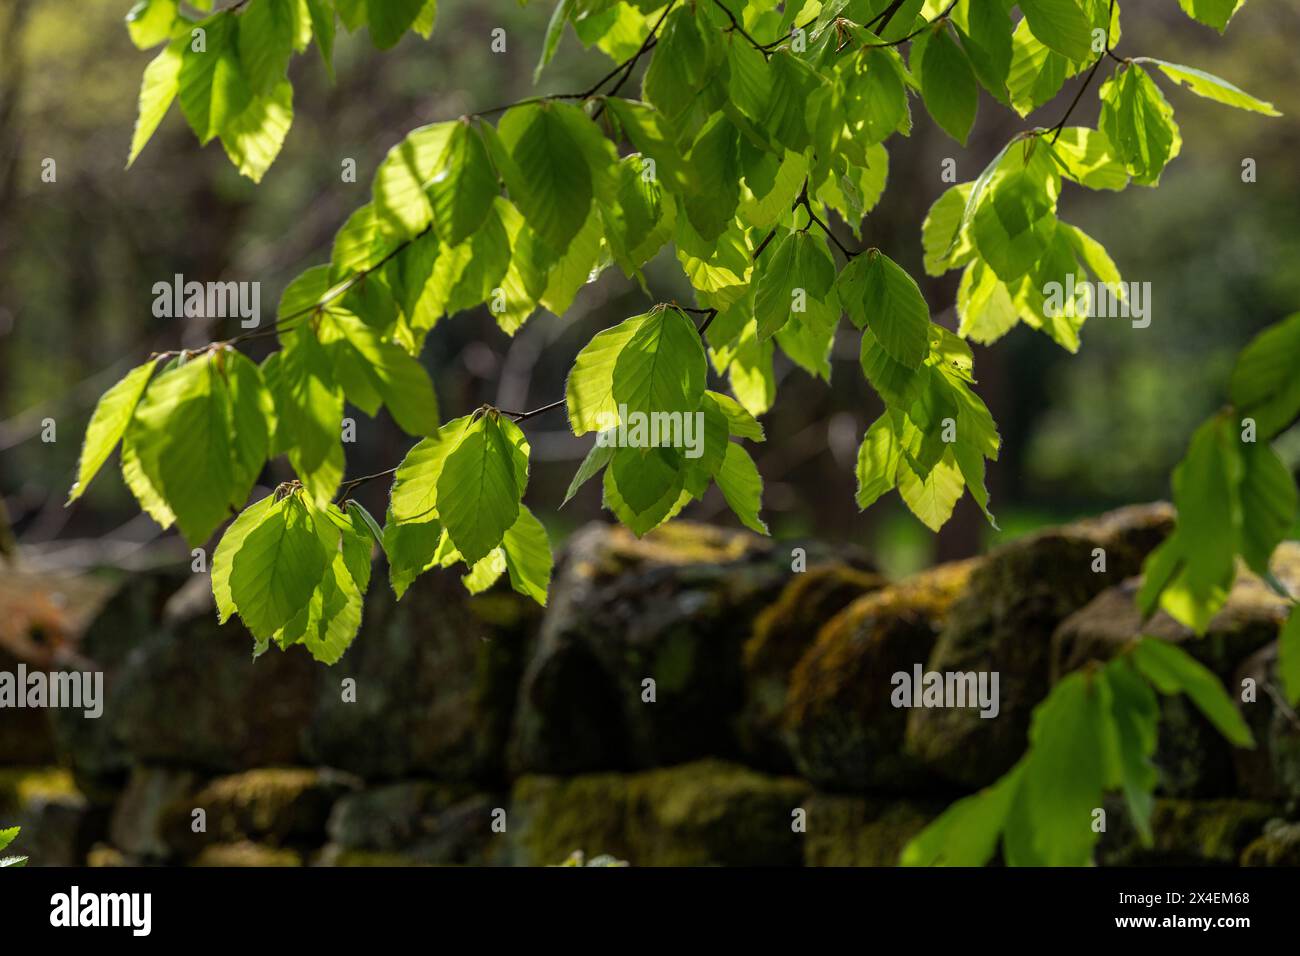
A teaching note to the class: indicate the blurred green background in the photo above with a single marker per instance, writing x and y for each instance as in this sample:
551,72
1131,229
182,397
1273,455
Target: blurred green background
79,257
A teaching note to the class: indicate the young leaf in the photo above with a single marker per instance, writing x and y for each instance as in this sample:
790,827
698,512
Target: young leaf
528,556
742,486
1172,671
947,82
662,368
549,180
223,558
881,296
108,423
479,488
158,89
1212,87
1139,123
277,568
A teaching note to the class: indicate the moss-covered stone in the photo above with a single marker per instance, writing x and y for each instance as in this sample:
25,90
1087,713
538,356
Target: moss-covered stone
860,831
783,631
1279,845
138,823
247,853
844,732
420,822
437,678
1185,833
1271,771
674,607
1004,623
276,806
55,818
334,855
704,813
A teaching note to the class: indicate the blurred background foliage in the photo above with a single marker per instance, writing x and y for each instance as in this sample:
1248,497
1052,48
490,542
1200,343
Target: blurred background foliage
79,258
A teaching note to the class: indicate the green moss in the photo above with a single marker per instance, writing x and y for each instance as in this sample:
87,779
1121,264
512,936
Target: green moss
1278,846
675,543
856,831
843,731
246,854
704,813
1188,833
21,785
551,817
784,629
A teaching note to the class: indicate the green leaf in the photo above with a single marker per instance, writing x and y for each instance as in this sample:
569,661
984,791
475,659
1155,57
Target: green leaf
322,14
8,835
528,556
231,543
549,180
158,88
1192,572
1139,122
966,834
740,422
213,90
742,486
662,368
984,305
881,296
1264,384
181,433
1213,13
402,202
589,390
253,139
1085,155
412,549
415,484
1060,24
554,32
597,458
673,500
931,497
398,378
1134,715
267,31
1063,776
713,189
389,19
309,409
795,284
947,245
947,82
1172,670
108,423
150,22
277,567
985,32
1268,504
1288,657
462,185
878,460
480,488
1213,88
